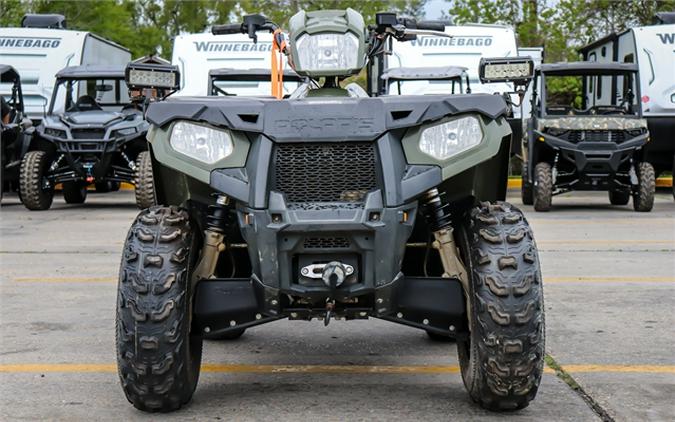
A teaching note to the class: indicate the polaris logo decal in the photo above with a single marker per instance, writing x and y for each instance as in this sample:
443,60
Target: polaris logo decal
459,41
29,42
309,125
219,46
667,38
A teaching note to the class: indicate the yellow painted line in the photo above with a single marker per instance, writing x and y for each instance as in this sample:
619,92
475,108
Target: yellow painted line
622,369
321,369
606,242
74,279
611,279
661,182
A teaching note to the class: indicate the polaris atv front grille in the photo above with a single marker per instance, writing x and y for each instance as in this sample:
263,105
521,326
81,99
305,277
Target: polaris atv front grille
326,243
576,136
88,133
325,172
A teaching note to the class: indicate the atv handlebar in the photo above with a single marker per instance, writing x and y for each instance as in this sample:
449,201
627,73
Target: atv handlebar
227,29
431,25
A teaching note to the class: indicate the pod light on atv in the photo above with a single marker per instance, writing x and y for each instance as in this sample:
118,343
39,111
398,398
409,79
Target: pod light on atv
518,70
152,76
451,138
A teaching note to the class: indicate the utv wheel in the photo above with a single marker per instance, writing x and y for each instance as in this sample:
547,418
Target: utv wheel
440,337
619,197
74,192
158,358
502,359
105,187
33,189
230,335
144,182
543,187
526,192
643,193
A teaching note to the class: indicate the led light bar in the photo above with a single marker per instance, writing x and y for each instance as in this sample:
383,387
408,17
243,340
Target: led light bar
518,70
141,76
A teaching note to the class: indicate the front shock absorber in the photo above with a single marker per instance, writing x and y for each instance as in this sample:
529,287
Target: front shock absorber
439,218
214,239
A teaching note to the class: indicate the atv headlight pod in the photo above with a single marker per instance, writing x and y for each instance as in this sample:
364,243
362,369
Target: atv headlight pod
451,138
57,133
327,51
200,142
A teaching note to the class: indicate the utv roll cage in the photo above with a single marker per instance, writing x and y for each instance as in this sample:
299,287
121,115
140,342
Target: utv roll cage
245,75
455,74
87,72
9,75
613,70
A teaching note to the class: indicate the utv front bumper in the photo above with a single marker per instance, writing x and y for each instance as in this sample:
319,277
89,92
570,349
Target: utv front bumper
594,157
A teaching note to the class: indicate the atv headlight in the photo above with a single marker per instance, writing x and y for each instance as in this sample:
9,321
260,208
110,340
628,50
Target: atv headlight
450,138
327,51
201,142
57,133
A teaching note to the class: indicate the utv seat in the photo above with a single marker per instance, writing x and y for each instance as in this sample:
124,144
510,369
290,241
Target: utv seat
85,103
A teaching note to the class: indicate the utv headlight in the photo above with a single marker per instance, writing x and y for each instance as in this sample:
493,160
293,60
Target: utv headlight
450,138
57,133
124,132
327,51
201,142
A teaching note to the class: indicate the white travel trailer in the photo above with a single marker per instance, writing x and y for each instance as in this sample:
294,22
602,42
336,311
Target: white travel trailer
653,49
39,53
197,54
469,43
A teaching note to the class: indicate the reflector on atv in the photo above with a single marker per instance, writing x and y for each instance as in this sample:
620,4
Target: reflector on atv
152,76
518,70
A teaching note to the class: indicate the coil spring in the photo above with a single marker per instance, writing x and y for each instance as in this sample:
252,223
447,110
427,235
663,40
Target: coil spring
218,215
436,212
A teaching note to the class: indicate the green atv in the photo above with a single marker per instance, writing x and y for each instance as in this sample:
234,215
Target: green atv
330,204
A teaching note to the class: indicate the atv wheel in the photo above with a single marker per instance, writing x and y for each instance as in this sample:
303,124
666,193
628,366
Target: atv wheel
105,187
526,192
230,335
33,189
618,197
158,358
643,193
502,359
440,337
543,187
74,192
144,182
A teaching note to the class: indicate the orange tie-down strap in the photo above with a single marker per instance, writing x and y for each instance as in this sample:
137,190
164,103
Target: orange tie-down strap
278,48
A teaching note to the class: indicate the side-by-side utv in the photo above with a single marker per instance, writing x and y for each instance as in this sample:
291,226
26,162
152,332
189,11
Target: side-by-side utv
14,126
592,141
330,204
99,139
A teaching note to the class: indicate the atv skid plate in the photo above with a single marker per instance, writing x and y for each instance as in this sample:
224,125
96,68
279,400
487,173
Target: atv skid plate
429,303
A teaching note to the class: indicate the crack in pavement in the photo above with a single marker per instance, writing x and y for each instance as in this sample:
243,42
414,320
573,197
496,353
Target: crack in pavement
574,386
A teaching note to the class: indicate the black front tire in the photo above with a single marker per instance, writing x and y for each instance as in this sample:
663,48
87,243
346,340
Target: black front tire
32,190
526,192
543,187
619,197
74,192
158,358
105,187
643,193
502,359
144,181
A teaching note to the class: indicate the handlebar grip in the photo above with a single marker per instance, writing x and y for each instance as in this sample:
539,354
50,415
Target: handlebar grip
230,28
431,25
